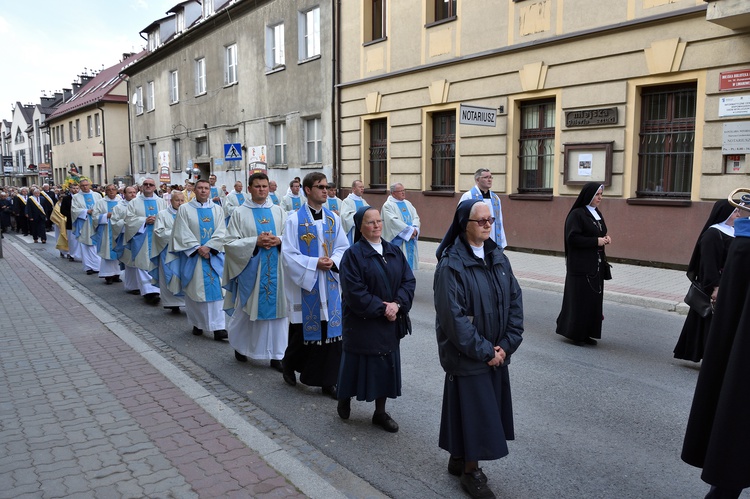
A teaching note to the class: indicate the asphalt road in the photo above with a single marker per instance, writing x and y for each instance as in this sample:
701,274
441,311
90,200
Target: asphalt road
591,422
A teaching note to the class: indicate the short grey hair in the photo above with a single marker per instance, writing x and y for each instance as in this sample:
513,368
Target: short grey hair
479,173
396,184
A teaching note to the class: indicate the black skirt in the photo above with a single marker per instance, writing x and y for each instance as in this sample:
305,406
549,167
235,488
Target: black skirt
477,416
693,337
318,365
370,377
581,314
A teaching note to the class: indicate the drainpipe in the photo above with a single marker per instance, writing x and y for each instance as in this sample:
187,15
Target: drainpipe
335,99
104,142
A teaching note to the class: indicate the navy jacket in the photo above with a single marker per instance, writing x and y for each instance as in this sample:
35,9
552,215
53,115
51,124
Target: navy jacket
478,306
363,291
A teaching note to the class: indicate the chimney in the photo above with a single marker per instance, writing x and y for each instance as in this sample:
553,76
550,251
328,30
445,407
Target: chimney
67,94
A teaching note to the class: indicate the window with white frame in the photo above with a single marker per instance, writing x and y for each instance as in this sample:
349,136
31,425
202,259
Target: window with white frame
309,33
279,144
313,140
208,8
374,20
154,156
97,125
176,155
180,21
201,146
174,93
275,46
138,101
150,96
153,40
200,76
230,64
90,125
142,158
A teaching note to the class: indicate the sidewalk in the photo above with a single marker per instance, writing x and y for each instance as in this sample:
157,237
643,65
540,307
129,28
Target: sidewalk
84,413
649,287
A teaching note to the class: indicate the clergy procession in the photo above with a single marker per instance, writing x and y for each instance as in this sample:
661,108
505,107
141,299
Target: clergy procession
245,266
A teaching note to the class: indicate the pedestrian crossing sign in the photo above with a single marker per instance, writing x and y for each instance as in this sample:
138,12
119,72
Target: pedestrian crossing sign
232,152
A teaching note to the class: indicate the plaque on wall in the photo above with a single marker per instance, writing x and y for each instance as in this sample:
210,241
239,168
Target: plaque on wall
591,117
589,162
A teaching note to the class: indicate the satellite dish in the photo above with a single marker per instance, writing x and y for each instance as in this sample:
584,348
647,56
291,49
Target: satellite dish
134,100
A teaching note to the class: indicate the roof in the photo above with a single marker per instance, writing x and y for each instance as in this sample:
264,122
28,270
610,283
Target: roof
27,111
97,89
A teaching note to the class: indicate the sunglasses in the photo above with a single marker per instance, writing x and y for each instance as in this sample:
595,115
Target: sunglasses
484,221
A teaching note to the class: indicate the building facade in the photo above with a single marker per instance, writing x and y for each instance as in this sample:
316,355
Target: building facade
242,79
89,130
637,96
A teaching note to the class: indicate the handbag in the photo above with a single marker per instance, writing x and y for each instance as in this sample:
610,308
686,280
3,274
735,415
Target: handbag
698,301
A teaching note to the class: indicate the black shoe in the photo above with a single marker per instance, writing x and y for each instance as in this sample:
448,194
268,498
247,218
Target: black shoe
152,298
590,341
344,408
385,421
456,466
330,391
276,364
175,310
240,357
108,280
290,378
221,334
116,279
475,484
133,292
197,332
71,259
90,272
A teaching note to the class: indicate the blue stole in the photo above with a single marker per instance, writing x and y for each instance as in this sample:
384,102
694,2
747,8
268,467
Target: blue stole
296,203
410,244
241,200
477,194
78,224
213,267
274,198
742,227
350,235
215,194
308,233
171,269
244,283
136,243
333,204
99,236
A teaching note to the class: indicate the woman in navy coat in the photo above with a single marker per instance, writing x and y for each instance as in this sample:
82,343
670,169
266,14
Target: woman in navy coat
376,286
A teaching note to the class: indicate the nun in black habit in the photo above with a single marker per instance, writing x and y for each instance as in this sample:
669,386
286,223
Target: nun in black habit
718,430
580,318
705,267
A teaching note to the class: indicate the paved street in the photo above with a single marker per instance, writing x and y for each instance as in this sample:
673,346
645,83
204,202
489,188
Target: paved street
104,396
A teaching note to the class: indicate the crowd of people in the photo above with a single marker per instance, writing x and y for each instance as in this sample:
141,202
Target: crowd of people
321,287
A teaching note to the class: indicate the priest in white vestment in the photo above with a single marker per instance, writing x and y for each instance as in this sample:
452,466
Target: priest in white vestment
81,209
349,207
106,234
139,236
401,224
294,198
129,274
166,273
255,301
312,246
272,186
198,238
483,190
233,200
333,202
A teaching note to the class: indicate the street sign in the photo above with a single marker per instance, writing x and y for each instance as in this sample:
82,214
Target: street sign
479,116
232,152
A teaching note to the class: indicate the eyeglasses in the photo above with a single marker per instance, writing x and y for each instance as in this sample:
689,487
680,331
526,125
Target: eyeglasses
372,223
321,187
484,221
148,185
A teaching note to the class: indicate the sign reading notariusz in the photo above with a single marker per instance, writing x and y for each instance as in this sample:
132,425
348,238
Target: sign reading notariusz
479,116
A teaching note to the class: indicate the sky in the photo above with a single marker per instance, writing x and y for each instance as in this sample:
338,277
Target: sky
48,43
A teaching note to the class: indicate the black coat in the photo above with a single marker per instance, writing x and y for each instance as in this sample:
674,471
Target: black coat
65,205
582,233
478,306
366,330
718,431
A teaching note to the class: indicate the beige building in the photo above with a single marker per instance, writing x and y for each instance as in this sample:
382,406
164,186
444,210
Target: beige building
644,96
90,129
256,74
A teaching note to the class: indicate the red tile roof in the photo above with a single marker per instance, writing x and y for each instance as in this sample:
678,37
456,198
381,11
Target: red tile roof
98,88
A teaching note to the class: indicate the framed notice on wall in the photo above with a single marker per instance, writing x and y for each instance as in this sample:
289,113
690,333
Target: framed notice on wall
588,162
